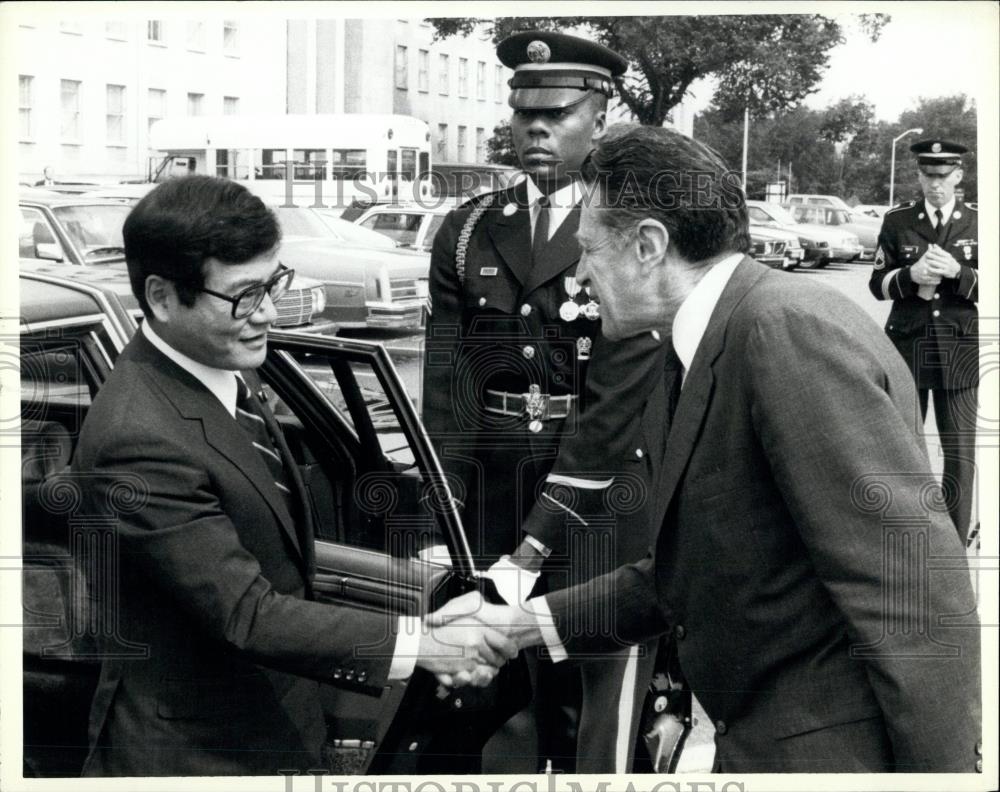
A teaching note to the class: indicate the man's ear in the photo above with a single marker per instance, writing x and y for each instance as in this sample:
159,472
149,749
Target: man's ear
161,294
961,173
651,241
600,125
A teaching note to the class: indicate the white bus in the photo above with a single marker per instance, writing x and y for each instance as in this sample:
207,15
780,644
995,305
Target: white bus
302,160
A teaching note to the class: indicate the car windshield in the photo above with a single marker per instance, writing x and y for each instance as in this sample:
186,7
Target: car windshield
96,229
303,222
401,227
772,213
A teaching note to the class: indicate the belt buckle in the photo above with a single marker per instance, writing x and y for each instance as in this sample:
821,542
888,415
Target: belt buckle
536,404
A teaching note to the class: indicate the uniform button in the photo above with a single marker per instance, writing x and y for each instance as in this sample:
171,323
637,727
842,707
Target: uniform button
457,703
482,301
525,310
937,296
414,746
979,765
638,453
528,352
936,313
721,727
680,632
979,748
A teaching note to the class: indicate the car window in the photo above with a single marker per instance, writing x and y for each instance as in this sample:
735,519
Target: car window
35,230
402,227
758,214
303,222
96,230
432,229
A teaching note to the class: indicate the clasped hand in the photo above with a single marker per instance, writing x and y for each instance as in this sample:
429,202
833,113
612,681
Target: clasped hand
934,265
465,642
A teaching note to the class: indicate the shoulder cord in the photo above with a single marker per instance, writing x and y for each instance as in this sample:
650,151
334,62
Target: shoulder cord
466,234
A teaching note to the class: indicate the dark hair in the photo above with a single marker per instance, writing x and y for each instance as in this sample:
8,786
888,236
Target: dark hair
187,220
654,172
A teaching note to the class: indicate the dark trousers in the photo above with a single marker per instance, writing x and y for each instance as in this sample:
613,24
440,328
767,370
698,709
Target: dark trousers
955,414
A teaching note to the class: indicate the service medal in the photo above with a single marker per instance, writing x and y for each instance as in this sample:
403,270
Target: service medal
571,286
569,311
592,311
583,347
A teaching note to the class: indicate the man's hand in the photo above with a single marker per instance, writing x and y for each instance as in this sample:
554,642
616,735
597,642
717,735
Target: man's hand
922,272
517,623
459,648
941,263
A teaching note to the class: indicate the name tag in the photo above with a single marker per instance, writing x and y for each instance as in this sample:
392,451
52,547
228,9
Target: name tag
909,250
488,272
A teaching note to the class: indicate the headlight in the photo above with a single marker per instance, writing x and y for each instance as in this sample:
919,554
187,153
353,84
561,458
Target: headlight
319,299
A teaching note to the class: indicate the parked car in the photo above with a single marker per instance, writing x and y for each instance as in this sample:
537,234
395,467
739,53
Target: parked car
409,225
863,227
372,476
368,283
872,210
814,199
821,244
67,233
777,249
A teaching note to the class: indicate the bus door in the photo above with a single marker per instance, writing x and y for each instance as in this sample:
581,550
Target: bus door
392,174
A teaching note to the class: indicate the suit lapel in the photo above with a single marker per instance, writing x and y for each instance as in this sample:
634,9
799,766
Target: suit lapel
511,234
194,402
562,252
699,382
925,226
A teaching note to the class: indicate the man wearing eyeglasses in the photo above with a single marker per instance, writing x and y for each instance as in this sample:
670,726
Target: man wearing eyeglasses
214,541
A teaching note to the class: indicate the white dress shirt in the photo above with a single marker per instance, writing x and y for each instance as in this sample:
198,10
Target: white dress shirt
561,203
945,210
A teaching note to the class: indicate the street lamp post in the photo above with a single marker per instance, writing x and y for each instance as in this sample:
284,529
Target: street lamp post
892,167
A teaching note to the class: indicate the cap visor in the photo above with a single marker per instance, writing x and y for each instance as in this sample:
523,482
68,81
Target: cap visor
545,98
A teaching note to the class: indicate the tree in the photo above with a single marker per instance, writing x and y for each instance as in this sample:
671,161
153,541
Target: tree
500,147
765,62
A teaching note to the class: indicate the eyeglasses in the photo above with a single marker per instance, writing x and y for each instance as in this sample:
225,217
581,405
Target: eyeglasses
249,300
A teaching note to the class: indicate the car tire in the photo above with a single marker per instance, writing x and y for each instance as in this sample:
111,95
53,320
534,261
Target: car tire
816,263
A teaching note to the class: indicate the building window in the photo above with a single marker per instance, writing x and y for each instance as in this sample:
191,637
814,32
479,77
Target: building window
423,70
498,83
69,91
480,144
463,76
442,141
402,75
71,26
231,37
462,135
156,32
444,66
116,30
196,36
195,103
25,99
481,81
230,105
157,100
115,118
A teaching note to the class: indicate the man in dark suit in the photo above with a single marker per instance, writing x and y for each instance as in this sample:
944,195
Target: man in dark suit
531,410
819,596
205,507
927,263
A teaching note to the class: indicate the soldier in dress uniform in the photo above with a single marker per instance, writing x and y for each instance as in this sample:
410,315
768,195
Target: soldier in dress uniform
537,419
926,263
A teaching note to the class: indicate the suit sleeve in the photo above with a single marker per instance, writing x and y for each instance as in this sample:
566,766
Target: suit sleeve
180,542
604,469
441,349
890,280
856,480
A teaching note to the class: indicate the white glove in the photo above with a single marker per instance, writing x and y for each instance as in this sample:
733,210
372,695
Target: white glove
513,583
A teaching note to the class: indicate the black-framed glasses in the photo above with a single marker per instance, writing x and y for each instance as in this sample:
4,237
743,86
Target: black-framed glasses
249,300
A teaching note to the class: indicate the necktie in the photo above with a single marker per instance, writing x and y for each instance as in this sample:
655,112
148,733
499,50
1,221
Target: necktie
541,237
926,292
249,415
674,374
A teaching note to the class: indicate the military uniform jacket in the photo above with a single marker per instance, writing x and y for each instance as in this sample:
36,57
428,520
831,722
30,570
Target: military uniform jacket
937,337
501,330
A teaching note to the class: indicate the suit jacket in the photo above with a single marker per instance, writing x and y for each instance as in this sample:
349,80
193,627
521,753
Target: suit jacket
938,338
210,588
501,330
817,592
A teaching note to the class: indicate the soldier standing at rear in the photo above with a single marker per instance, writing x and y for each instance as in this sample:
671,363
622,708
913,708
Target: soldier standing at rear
927,263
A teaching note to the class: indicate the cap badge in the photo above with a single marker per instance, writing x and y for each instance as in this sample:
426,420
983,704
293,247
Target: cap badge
936,148
539,52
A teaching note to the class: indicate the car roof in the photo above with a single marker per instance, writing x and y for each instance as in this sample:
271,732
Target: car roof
56,292
47,198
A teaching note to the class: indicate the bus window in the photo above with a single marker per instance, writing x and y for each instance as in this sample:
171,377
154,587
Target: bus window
408,164
310,164
349,164
425,163
272,164
391,165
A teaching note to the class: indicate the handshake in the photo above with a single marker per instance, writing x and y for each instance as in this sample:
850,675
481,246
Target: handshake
467,641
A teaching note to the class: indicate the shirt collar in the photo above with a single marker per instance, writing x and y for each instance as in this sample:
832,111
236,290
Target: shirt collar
692,317
220,382
946,210
563,198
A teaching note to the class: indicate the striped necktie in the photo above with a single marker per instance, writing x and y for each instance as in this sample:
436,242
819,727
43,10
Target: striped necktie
249,415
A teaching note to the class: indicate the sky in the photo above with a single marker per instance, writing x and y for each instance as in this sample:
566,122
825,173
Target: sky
927,49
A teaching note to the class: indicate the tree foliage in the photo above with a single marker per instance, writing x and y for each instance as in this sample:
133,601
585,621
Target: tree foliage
767,62
500,147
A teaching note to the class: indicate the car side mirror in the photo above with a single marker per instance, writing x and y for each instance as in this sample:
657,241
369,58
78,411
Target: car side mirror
50,251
